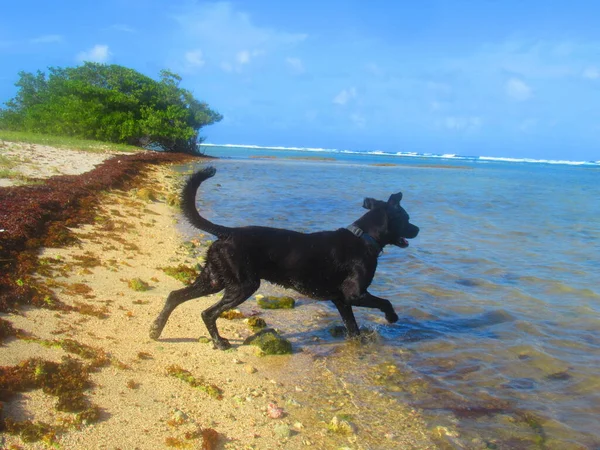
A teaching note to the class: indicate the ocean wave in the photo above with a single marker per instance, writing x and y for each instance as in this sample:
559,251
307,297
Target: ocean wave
413,155
539,161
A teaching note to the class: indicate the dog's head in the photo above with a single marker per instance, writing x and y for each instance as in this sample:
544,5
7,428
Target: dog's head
397,226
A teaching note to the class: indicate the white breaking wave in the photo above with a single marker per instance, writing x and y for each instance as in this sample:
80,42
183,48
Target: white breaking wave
411,154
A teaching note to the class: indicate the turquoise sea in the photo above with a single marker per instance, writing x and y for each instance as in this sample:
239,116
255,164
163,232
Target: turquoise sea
499,295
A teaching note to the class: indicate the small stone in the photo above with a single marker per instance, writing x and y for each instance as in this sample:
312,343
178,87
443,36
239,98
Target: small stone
236,361
274,411
256,323
341,426
282,431
292,402
250,369
337,331
204,340
179,416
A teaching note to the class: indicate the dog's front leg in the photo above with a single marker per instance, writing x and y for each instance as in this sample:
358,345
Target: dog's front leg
367,300
345,311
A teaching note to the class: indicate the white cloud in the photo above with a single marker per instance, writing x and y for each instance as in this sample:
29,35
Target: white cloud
98,53
47,39
194,58
243,57
591,73
527,58
345,96
295,65
518,89
229,35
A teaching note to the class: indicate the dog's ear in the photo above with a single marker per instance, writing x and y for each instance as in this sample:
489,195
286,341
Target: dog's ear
369,203
395,199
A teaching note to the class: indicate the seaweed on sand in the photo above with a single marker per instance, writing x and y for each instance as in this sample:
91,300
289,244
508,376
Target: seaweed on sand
66,380
183,273
199,383
41,214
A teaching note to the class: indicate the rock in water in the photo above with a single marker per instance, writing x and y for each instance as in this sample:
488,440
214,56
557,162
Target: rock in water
272,302
270,342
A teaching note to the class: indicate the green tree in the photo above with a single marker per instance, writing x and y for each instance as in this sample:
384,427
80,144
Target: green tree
109,103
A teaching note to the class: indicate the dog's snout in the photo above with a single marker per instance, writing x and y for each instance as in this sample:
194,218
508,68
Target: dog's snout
413,231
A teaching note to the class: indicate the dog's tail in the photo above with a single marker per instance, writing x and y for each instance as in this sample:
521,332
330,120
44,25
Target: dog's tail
188,204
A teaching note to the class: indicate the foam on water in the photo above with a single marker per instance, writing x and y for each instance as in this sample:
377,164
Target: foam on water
409,154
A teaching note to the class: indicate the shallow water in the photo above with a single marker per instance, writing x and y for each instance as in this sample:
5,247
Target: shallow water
499,295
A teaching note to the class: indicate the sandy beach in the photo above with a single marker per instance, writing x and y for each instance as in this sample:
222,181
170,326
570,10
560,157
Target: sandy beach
262,402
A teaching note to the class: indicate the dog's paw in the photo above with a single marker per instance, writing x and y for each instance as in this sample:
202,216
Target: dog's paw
155,331
154,334
222,344
391,317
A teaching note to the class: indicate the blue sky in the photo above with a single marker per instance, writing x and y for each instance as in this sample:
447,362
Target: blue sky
496,78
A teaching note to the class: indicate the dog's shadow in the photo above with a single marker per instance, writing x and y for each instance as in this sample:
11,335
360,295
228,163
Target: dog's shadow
407,329
178,340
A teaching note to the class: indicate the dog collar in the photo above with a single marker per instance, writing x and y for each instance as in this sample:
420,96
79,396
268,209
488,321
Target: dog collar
356,231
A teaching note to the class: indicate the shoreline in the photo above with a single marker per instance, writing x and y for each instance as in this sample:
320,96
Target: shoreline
139,404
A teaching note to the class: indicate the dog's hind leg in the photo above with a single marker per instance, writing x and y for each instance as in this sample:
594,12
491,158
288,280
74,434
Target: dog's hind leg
234,296
348,318
202,286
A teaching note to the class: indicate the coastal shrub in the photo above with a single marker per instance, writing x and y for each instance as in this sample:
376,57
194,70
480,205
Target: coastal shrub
109,103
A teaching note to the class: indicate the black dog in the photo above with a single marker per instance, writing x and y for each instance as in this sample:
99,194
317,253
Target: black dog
328,265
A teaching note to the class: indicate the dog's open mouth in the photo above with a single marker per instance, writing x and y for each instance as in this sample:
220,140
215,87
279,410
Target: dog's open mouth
402,243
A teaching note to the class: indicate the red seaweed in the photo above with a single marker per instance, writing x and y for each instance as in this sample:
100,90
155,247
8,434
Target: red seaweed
39,215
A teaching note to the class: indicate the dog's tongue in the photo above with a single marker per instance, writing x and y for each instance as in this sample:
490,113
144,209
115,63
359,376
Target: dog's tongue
403,242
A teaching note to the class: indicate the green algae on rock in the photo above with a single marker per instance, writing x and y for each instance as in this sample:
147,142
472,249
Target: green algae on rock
273,302
270,342
256,323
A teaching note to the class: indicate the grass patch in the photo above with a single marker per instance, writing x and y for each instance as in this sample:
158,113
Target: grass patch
66,142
